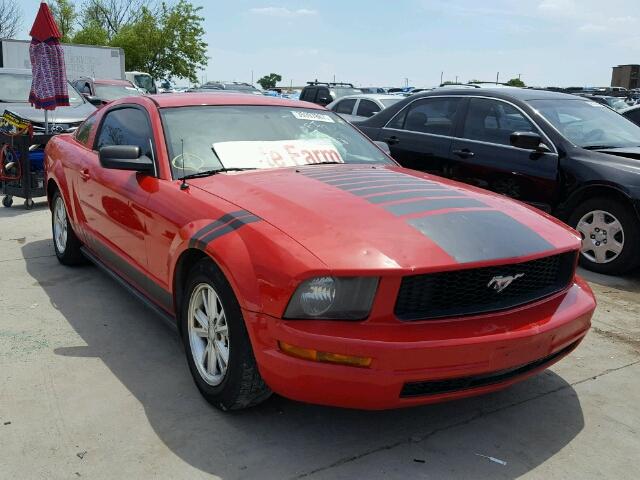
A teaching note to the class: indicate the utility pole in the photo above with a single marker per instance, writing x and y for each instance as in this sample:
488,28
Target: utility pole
406,82
456,79
334,78
441,76
251,77
497,78
519,75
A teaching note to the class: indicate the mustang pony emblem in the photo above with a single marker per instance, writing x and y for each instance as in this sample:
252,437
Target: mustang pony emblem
499,282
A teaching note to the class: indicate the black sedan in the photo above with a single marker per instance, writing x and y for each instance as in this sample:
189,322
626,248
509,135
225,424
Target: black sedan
632,113
566,155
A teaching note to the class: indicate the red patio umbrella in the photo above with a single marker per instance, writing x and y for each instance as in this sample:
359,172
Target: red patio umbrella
49,84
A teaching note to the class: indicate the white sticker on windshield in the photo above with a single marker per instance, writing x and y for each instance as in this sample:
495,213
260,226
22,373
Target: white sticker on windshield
275,154
316,117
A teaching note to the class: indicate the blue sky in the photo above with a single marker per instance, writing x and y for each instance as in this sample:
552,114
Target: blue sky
548,42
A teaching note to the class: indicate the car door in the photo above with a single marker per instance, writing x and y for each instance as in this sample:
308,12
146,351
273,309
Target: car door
420,135
114,201
483,155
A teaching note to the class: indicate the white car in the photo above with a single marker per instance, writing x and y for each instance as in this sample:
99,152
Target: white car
362,106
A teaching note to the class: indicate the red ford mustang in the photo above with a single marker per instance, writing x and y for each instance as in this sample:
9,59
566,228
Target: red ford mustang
296,257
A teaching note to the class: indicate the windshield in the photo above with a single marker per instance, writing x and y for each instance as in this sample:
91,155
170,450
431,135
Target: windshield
262,137
617,104
114,92
16,87
145,82
387,102
589,124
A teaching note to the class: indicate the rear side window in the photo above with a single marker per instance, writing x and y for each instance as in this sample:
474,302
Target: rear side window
345,106
432,115
494,121
309,94
367,108
84,130
126,126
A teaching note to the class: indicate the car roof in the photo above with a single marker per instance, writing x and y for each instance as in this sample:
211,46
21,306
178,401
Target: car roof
522,94
168,100
112,81
372,96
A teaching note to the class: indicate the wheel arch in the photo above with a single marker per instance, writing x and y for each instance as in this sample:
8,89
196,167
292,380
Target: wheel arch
592,191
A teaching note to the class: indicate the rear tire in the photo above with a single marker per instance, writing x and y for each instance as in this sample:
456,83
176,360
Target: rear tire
65,242
610,233
216,341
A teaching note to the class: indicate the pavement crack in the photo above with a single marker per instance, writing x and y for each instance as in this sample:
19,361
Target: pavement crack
484,413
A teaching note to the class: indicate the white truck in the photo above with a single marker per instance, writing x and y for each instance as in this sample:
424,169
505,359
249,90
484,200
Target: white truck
80,60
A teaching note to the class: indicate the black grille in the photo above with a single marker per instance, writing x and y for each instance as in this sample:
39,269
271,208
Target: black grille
419,389
467,292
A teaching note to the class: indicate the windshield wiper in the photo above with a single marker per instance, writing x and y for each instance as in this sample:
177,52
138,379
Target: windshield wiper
324,163
208,173
599,147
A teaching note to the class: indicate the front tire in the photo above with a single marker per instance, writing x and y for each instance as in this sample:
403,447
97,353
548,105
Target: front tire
65,242
610,234
216,341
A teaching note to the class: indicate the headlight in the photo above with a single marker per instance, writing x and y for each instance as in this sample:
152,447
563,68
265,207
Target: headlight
336,298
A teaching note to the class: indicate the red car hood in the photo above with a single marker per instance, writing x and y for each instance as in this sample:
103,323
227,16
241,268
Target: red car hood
356,217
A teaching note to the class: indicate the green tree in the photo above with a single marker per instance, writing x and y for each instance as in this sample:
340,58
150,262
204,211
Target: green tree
269,81
516,82
91,34
474,81
10,18
64,12
165,44
113,15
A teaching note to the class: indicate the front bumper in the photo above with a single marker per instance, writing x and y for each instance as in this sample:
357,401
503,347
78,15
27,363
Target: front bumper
409,356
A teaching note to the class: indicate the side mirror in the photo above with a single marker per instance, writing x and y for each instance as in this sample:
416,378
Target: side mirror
93,100
384,146
528,141
125,157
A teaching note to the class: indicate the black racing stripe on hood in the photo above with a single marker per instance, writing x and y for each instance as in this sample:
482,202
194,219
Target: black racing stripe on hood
431,204
228,228
389,183
432,192
336,175
480,235
367,178
389,189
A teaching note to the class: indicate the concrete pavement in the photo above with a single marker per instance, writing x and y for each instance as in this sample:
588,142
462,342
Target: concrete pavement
93,385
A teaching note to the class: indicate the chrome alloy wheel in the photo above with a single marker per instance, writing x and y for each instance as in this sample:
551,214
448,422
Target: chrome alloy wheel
602,236
60,225
208,334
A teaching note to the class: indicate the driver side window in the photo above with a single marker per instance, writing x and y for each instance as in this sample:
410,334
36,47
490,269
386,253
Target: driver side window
126,126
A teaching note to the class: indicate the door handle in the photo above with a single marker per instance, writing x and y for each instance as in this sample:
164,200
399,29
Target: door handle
393,140
84,174
464,153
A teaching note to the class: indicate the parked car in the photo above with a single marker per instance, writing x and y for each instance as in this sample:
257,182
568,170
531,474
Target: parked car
102,91
378,90
632,113
238,87
564,154
143,81
295,256
324,93
15,85
363,106
616,103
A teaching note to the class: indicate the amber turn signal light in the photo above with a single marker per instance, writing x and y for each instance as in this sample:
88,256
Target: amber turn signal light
325,357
